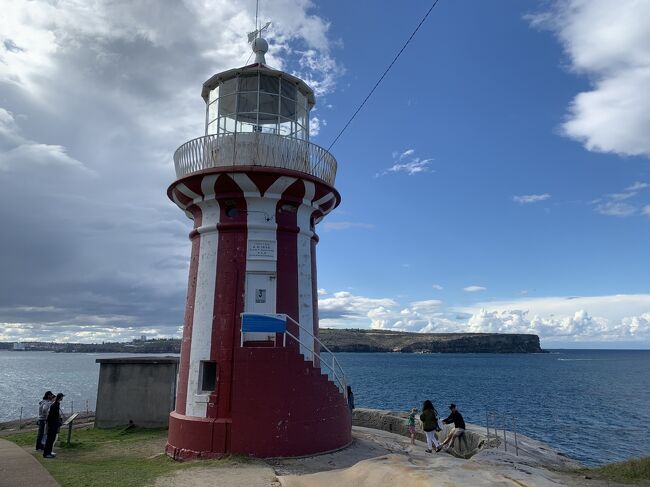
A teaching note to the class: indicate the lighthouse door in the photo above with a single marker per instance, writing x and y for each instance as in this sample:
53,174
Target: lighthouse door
260,298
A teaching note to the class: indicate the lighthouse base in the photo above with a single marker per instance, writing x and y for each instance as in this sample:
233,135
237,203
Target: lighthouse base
282,406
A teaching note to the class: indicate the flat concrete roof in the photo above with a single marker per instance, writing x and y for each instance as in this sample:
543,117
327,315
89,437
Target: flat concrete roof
138,360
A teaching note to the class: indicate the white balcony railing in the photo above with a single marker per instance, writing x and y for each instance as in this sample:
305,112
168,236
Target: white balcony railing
255,149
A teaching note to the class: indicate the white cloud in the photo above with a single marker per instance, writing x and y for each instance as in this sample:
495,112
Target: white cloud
405,162
96,96
638,185
437,287
474,289
604,319
612,47
646,210
615,208
344,225
621,196
620,204
530,198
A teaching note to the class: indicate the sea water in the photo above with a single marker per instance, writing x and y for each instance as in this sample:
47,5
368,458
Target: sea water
593,406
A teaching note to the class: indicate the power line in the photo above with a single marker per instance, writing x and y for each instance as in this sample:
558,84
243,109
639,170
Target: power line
384,75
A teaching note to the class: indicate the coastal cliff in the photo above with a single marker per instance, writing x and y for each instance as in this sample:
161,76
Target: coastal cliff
343,340
338,340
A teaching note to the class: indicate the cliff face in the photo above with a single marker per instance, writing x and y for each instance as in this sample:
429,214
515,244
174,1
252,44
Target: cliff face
397,341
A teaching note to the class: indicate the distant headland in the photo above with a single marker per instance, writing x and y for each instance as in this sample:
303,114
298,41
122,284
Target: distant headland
338,340
346,340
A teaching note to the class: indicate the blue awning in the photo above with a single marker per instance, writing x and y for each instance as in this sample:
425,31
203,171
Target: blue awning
256,322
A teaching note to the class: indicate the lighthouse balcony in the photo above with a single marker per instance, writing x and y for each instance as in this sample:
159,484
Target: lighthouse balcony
255,149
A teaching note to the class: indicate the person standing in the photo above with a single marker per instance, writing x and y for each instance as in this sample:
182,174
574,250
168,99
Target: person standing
43,409
53,423
459,427
410,424
350,399
429,418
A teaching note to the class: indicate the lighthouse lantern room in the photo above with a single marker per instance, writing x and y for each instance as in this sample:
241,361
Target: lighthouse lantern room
254,378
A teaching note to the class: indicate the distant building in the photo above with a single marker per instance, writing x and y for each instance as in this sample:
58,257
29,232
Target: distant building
143,338
19,346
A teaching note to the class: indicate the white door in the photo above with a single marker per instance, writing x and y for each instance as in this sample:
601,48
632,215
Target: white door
260,298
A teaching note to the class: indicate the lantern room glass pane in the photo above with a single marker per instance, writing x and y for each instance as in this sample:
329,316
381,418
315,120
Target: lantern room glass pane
213,111
286,127
244,127
227,105
288,89
226,124
250,117
214,94
301,115
247,102
248,82
269,84
301,100
267,119
228,87
301,133
288,108
269,103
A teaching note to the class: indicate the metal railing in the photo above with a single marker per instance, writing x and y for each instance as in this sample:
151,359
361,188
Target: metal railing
334,366
490,415
255,149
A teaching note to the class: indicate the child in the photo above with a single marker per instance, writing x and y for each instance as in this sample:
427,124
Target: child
410,424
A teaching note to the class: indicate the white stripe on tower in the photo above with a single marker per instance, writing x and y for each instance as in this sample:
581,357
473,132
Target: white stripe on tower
261,225
305,302
196,404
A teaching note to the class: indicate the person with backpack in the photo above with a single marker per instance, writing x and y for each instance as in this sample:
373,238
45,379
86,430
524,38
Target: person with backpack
429,418
43,409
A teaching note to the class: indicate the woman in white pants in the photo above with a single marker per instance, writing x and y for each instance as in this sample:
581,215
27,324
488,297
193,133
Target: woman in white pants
429,418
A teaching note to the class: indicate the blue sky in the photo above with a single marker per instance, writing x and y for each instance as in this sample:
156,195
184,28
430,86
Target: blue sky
497,180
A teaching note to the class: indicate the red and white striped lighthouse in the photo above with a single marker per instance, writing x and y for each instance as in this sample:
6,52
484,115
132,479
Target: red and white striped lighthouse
255,188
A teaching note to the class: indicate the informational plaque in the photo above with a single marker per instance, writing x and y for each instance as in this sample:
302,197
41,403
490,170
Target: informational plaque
260,295
261,249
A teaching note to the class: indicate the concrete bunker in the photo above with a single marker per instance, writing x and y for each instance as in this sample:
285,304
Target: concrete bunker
136,390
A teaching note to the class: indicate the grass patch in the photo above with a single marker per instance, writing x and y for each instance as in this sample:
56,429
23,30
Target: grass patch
113,457
636,470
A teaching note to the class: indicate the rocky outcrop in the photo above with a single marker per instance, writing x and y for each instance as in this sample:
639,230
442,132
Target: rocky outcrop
466,446
342,340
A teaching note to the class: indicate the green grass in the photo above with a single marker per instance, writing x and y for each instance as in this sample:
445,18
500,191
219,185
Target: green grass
636,471
113,457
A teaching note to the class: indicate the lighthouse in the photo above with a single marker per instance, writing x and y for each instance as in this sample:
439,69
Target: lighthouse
254,378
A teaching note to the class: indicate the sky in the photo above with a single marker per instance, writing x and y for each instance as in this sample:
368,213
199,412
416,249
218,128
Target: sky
498,180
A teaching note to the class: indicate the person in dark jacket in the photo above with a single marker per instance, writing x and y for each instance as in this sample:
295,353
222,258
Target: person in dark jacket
53,423
43,409
459,427
429,418
350,399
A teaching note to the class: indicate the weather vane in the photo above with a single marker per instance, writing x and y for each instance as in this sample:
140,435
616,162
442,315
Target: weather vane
258,30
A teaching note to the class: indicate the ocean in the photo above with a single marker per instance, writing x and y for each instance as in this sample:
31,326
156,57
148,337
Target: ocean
592,405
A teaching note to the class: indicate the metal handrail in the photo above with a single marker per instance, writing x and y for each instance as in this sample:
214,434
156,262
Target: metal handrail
335,361
342,382
255,149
